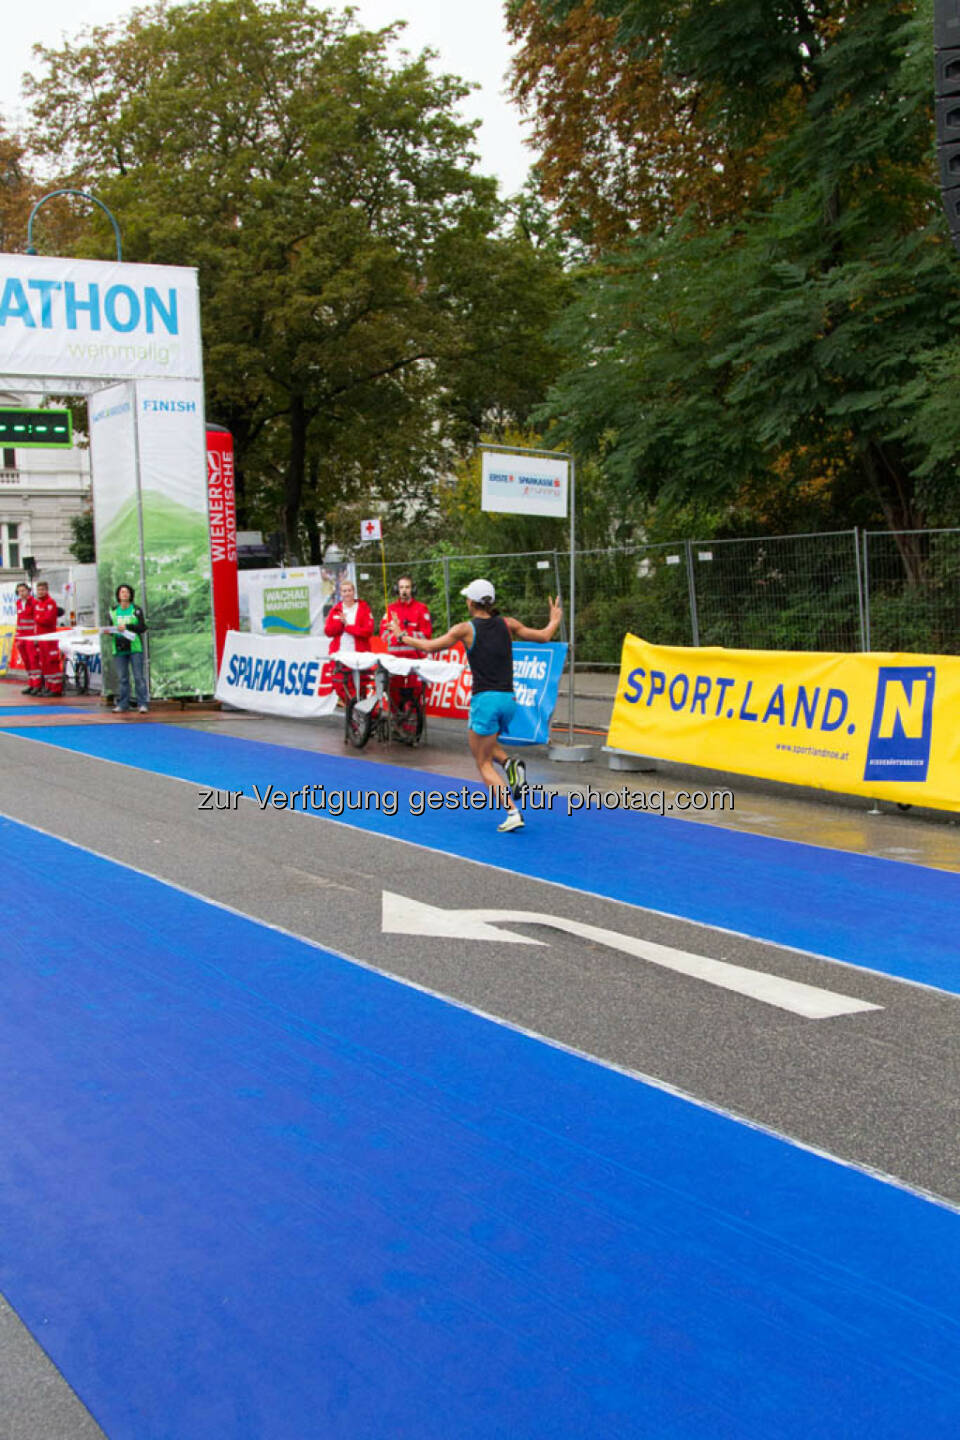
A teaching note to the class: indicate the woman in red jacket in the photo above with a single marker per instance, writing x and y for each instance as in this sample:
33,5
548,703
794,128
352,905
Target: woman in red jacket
349,625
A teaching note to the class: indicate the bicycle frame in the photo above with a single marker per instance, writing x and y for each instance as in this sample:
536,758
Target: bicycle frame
368,709
76,673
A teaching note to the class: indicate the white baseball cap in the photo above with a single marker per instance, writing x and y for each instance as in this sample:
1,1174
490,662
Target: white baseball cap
478,591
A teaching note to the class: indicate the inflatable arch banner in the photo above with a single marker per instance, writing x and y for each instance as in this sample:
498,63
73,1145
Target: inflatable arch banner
128,338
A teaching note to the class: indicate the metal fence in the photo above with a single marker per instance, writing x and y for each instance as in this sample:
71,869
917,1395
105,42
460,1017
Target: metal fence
843,590
912,591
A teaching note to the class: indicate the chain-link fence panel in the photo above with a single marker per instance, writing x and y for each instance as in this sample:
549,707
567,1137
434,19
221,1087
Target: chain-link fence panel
643,589
912,584
427,577
790,592
787,592
522,583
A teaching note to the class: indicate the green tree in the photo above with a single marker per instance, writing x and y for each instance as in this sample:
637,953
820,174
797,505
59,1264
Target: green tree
16,191
622,136
83,546
798,349
330,201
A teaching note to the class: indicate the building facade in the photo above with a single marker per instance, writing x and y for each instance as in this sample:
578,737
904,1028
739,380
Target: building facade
40,491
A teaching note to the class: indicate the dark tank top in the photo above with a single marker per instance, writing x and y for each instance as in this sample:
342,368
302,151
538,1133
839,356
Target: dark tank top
491,655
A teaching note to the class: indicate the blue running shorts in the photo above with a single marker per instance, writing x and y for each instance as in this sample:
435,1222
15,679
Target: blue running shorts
491,711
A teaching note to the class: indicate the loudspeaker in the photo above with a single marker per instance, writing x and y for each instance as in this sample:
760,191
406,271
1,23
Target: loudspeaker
946,39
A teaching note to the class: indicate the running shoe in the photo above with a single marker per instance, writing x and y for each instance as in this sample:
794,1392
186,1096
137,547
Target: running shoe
516,773
514,821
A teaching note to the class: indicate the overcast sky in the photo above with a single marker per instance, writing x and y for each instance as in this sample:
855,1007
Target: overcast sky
469,36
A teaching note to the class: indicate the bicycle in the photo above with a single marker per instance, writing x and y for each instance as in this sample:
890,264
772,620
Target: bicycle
76,674
365,690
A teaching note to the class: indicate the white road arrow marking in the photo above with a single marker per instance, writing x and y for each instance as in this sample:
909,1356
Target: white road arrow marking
402,916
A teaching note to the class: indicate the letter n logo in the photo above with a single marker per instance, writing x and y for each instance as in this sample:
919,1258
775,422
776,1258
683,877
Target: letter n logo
900,735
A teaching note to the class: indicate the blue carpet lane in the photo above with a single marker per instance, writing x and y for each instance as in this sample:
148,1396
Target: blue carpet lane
899,919
7,710
251,1191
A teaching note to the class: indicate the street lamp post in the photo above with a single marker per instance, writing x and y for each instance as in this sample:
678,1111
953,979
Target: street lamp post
84,195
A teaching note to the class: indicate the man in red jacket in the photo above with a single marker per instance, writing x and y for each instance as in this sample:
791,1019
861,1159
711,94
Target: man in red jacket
45,610
414,618
27,627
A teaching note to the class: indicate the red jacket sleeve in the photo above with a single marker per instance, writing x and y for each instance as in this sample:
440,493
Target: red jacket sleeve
425,621
334,622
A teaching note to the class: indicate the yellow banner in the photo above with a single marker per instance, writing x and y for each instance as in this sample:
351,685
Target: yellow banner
7,633
879,725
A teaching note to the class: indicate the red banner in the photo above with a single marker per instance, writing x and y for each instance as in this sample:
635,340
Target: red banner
451,699
223,534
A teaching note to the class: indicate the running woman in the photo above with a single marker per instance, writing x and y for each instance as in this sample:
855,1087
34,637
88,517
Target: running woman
488,640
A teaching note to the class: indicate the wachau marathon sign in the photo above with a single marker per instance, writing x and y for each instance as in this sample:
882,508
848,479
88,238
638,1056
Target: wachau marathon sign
878,725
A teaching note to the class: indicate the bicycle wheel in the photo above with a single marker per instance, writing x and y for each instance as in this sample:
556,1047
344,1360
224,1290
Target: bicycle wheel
408,722
357,725
81,677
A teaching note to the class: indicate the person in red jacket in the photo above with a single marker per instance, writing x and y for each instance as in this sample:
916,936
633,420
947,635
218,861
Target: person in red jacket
46,610
414,618
26,627
349,625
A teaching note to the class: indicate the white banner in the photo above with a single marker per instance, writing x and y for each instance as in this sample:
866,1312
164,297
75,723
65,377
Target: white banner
163,513
84,644
97,319
433,671
524,485
113,460
276,676
116,511
176,537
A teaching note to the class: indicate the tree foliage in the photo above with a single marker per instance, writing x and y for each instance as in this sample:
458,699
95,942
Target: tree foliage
798,357
630,133
83,544
16,191
346,246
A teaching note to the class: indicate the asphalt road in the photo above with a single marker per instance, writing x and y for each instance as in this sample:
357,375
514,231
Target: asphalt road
877,1088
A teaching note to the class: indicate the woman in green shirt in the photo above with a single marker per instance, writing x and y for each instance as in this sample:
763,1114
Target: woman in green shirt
128,650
